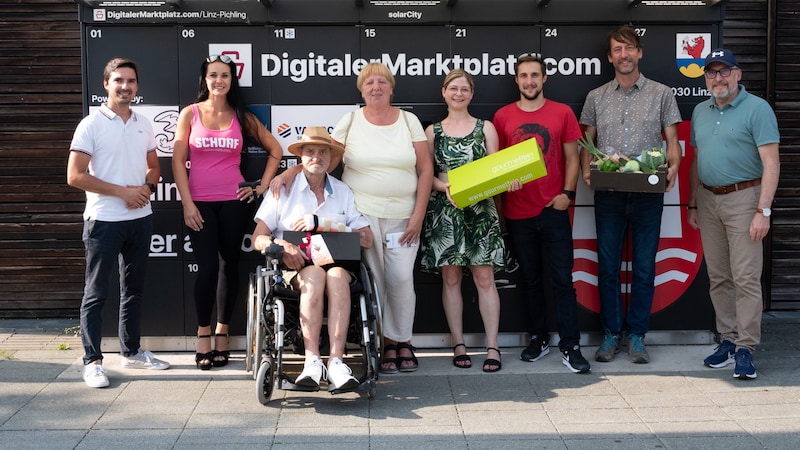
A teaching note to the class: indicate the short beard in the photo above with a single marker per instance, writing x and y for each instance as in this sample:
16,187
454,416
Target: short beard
729,91
531,97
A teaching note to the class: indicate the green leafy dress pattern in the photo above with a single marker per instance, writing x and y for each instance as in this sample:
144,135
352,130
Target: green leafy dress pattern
453,236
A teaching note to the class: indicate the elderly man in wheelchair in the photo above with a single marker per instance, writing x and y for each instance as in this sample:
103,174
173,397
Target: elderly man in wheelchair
317,202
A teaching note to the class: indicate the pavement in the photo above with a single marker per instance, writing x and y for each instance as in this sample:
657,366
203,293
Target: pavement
672,403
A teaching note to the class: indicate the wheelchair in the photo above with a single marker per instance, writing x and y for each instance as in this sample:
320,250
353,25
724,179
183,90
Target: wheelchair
273,328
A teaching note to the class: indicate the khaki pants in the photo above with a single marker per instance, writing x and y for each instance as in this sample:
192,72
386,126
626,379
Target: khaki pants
393,273
734,263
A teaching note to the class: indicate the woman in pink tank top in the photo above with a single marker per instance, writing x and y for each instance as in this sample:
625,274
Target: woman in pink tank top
210,139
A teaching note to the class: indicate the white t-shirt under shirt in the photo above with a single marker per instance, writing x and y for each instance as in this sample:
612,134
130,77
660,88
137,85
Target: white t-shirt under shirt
118,152
380,163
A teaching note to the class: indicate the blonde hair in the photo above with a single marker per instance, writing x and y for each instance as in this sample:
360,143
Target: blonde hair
458,73
374,68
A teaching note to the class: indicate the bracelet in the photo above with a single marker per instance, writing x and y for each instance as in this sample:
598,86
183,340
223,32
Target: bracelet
691,207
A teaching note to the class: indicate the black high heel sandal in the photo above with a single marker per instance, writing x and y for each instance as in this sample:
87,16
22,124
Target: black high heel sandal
462,361
224,354
200,357
492,362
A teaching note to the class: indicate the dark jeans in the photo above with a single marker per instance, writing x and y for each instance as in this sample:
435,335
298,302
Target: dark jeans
547,239
217,248
128,243
616,212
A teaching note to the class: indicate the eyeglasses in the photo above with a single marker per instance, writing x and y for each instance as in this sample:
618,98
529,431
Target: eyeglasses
529,56
224,58
726,72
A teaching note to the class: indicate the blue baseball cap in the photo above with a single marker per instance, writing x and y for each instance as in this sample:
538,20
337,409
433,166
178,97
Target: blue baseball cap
721,55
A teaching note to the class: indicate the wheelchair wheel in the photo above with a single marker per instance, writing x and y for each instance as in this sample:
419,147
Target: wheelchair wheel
377,324
252,320
372,309
259,330
265,380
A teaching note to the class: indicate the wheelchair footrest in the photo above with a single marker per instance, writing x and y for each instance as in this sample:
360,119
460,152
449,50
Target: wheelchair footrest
287,385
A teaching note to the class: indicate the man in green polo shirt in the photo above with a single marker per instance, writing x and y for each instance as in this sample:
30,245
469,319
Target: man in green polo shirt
733,181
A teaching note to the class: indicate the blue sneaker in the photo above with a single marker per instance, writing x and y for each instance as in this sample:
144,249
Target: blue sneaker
722,356
744,368
608,348
636,349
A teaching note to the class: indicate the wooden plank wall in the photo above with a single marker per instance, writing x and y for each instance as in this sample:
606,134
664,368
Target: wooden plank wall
785,255
41,261
41,255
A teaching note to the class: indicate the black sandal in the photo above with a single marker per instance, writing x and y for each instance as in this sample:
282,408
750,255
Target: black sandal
401,359
492,361
385,360
224,354
199,357
461,358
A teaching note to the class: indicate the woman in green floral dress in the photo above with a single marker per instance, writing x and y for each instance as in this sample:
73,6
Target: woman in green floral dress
454,238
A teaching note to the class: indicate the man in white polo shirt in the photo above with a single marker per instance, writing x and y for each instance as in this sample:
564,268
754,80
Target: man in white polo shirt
113,158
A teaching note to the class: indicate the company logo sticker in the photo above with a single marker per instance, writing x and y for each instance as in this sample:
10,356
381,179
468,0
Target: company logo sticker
284,130
691,50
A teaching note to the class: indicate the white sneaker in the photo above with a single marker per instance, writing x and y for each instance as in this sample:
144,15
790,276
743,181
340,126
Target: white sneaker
94,375
311,374
144,360
340,376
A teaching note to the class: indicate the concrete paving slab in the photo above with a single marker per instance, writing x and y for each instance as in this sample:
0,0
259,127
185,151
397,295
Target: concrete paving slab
480,425
716,442
149,439
225,438
674,402
702,428
594,442
33,439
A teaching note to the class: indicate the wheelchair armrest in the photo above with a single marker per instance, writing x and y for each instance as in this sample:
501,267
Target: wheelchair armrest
273,255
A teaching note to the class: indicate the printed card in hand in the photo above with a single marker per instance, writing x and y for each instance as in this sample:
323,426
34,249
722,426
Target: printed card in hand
320,254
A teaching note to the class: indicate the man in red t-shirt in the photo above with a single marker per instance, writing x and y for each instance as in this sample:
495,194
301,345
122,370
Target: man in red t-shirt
536,216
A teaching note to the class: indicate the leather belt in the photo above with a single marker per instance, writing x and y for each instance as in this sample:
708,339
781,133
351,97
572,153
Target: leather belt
720,190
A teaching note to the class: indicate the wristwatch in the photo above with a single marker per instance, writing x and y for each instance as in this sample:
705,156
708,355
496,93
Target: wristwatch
570,194
766,212
152,187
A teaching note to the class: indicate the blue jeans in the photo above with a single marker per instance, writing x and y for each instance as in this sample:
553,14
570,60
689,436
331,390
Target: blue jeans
547,239
615,213
128,243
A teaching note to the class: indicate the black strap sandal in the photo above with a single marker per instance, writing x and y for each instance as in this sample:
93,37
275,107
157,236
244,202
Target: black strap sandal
492,361
401,359
224,354
200,357
385,360
461,358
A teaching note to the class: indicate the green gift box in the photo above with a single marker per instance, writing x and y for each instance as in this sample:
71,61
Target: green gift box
493,174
